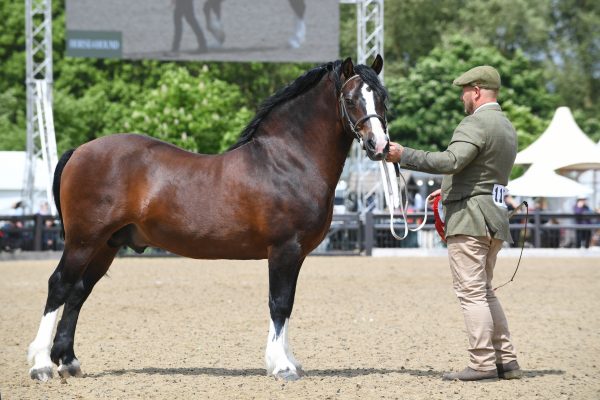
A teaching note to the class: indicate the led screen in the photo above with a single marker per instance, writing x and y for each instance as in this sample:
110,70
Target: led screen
217,30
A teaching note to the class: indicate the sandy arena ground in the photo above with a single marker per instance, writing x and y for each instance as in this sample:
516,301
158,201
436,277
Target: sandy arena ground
362,328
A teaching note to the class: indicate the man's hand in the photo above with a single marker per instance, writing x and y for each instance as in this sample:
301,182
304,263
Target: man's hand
395,153
433,195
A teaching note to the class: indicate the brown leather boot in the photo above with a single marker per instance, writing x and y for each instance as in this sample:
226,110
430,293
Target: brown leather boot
510,370
469,374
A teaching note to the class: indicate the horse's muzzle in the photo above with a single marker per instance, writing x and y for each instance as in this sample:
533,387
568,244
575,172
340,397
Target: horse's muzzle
376,151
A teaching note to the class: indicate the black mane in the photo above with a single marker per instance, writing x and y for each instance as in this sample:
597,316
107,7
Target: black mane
301,85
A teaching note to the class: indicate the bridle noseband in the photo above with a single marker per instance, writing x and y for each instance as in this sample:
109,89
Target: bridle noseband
354,126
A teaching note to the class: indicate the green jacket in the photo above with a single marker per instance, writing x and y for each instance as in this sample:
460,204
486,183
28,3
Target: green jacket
480,155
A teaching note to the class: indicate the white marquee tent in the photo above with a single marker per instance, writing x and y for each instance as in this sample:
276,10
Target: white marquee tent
541,181
562,146
12,165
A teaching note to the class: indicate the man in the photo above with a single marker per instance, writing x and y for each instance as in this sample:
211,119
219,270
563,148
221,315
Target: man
476,164
582,211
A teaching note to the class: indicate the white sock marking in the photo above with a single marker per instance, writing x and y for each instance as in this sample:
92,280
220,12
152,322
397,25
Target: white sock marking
39,349
279,356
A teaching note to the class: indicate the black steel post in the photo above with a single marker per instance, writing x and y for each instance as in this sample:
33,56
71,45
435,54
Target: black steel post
369,233
37,232
537,222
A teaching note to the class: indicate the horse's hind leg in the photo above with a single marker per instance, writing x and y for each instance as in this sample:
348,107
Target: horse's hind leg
39,349
62,353
61,287
284,266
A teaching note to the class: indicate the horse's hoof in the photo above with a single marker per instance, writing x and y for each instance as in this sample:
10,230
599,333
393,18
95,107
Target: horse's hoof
41,374
288,375
72,369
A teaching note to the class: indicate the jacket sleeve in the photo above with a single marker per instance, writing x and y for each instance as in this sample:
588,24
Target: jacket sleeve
465,144
458,155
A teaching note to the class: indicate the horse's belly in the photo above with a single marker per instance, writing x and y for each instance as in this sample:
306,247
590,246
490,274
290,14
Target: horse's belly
229,250
233,247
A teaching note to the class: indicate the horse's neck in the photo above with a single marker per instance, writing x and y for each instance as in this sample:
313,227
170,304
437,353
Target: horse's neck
309,128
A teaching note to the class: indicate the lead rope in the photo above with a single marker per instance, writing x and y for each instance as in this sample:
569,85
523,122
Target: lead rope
524,203
395,200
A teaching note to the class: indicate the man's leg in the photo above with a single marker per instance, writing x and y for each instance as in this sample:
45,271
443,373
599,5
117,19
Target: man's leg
505,351
468,259
506,356
190,16
178,28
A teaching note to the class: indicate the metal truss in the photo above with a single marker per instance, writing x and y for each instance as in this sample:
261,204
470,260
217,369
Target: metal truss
363,174
369,29
41,140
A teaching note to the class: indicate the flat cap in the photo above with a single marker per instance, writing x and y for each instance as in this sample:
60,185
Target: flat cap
483,76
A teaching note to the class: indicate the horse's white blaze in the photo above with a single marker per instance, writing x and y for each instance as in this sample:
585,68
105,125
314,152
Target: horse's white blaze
39,349
278,356
381,138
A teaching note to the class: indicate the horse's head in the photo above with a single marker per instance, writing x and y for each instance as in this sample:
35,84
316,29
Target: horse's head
363,106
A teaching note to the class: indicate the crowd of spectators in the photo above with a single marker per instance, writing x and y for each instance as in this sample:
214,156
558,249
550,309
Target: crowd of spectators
17,230
557,228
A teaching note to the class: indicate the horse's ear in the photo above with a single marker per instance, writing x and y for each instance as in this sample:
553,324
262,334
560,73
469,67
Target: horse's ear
377,64
348,68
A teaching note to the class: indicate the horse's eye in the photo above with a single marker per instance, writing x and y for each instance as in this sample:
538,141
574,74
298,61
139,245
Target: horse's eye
349,101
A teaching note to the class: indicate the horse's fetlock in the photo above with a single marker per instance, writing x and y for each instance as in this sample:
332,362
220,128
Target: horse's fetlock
71,368
59,353
34,349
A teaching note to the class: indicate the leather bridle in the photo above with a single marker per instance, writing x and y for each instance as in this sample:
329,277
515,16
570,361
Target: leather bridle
355,126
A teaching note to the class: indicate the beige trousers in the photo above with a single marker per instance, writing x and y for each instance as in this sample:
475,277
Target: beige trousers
472,261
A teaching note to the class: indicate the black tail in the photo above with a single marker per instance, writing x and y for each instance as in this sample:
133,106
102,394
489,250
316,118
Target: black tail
56,185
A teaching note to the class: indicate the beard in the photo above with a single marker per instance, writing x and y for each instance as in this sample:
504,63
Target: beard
469,106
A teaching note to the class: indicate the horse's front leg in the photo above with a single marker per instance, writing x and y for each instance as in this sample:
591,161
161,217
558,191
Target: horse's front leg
284,266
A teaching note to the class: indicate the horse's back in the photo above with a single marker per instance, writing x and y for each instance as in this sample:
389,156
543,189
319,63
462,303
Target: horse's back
131,154
126,144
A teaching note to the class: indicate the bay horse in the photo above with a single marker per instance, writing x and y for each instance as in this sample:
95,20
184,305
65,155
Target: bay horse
269,196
